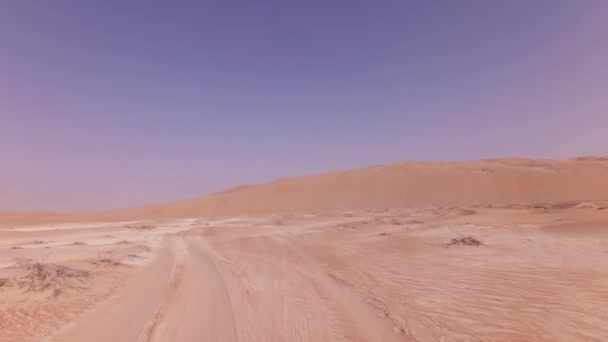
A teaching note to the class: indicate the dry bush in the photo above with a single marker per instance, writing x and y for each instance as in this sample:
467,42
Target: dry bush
38,276
384,234
79,243
106,259
464,241
37,242
67,272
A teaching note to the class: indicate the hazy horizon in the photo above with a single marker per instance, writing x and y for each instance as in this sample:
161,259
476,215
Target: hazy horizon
112,104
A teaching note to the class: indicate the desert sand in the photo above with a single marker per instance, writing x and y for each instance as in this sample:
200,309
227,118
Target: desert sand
504,181
496,250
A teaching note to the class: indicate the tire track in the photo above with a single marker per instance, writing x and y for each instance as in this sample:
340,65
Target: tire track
307,302
200,308
124,317
174,284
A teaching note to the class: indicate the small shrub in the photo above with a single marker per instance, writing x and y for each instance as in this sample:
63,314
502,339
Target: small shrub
464,241
41,276
67,272
106,258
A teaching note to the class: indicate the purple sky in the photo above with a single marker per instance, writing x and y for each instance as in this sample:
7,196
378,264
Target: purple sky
106,104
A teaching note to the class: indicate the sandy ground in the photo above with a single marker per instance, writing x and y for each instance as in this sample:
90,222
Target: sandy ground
540,273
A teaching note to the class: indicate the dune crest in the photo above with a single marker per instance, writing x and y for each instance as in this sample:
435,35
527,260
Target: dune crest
497,181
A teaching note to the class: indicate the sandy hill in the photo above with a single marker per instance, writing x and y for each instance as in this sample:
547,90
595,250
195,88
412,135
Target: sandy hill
31,218
496,181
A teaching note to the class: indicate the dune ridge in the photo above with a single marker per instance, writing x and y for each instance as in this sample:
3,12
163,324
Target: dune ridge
487,182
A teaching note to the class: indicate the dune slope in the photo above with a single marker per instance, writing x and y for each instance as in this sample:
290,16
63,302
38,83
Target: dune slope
497,181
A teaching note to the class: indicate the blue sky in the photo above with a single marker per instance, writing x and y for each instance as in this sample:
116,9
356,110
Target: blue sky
105,104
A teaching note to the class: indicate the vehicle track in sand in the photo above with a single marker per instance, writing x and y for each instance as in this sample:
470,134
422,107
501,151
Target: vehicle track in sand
380,279
192,292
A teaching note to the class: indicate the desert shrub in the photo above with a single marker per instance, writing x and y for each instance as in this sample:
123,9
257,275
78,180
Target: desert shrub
38,276
464,241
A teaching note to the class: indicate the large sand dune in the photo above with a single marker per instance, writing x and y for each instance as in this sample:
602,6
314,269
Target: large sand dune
29,218
498,181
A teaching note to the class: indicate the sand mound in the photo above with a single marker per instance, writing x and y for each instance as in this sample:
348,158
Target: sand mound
497,181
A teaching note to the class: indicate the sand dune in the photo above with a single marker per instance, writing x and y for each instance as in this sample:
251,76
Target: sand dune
487,182
30,218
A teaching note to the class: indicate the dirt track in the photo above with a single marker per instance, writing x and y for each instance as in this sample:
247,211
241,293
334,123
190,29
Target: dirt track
207,297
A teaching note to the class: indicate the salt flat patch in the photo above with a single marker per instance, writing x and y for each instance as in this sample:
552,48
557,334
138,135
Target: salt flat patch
101,233
236,221
66,226
54,241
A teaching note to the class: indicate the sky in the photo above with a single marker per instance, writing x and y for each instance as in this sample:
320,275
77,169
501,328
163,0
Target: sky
109,104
